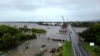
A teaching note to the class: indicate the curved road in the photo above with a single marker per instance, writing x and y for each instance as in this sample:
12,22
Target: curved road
78,50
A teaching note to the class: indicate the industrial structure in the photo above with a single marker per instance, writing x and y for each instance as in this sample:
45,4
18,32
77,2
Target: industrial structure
63,27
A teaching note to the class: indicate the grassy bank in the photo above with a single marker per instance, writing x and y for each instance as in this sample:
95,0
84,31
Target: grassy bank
92,50
34,30
67,49
1,53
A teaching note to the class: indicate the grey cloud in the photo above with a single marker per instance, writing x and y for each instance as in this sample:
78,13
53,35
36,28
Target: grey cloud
75,8
20,5
67,4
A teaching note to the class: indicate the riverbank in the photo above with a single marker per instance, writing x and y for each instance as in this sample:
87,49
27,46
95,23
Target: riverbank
11,37
52,33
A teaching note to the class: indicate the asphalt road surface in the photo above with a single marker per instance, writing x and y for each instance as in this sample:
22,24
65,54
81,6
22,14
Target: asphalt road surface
78,50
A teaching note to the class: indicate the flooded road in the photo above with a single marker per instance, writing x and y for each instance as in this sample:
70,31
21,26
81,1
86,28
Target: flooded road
79,29
52,32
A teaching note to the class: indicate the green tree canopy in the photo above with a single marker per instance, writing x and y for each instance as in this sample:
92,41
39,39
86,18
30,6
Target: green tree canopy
92,34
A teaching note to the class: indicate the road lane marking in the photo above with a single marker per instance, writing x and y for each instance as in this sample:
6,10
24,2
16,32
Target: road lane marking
80,47
85,52
76,43
72,45
73,49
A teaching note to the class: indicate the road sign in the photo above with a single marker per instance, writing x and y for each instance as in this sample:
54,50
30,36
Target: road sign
92,43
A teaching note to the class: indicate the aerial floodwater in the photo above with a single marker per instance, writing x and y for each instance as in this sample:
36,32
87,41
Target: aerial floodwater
34,44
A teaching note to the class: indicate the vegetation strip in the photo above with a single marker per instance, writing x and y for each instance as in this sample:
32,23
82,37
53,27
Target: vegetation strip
92,50
11,37
67,49
92,34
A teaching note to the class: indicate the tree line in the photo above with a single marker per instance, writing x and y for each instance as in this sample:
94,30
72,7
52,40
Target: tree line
84,24
10,37
92,34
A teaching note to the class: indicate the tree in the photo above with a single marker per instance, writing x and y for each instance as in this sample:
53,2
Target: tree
40,23
92,34
10,37
6,41
24,29
8,29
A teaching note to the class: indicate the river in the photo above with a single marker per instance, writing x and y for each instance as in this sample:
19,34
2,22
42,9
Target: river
52,32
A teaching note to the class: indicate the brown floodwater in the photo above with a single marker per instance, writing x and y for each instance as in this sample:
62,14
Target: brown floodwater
52,32
34,44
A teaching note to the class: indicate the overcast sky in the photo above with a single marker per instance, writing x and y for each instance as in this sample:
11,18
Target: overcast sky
49,10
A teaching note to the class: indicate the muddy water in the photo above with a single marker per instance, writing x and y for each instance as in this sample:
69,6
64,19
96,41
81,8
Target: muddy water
80,29
52,32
